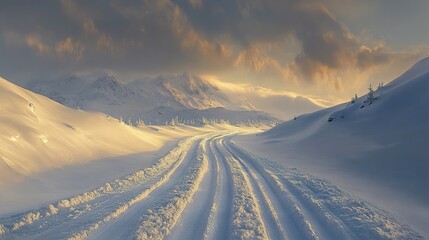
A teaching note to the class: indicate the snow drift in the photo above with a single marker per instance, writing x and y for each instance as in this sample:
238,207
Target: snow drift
386,139
38,134
374,146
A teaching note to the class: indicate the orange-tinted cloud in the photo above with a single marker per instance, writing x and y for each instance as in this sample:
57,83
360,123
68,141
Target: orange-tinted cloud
69,47
285,43
35,42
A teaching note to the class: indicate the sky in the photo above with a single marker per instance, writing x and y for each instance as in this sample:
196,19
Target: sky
322,49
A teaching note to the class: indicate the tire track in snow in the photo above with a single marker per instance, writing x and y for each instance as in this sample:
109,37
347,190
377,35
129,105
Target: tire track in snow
220,218
272,223
362,219
198,212
336,211
303,220
60,219
247,221
210,210
158,221
117,186
124,206
308,215
245,197
326,226
125,226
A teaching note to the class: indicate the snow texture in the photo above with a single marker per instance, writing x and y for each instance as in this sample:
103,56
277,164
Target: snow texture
251,198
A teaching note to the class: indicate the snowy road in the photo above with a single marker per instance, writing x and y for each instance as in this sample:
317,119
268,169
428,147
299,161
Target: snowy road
208,188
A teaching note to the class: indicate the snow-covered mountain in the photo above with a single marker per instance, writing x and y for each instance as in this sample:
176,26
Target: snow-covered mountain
376,146
191,91
38,134
181,94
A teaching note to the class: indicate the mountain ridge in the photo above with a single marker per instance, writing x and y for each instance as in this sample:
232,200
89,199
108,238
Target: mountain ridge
139,99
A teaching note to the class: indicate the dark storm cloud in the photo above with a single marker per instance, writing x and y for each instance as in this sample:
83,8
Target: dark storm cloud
176,35
325,44
120,35
368,57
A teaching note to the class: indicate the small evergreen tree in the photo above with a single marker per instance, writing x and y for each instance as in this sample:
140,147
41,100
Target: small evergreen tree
204,121
370,98
140,122
172,122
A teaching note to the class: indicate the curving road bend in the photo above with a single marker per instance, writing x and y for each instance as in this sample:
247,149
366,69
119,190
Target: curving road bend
209,188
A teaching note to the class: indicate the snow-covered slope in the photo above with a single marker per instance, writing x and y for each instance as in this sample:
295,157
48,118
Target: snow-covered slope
37,134
191,91
395,125
204,187
139,99
379,150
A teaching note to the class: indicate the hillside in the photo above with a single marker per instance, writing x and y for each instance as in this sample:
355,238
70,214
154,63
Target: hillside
392,132
377,149
38,134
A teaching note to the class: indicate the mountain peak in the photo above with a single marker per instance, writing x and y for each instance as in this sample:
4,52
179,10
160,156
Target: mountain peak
108,86
104,92
106,81
187,75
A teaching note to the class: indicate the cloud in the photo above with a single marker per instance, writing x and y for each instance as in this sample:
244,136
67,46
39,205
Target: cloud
370,57
144,35
279,103
263,92
196,3
285,43
80,16
69,47
255,59
35,42
326,51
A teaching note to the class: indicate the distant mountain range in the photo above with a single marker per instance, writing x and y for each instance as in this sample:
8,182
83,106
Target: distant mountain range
156,100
